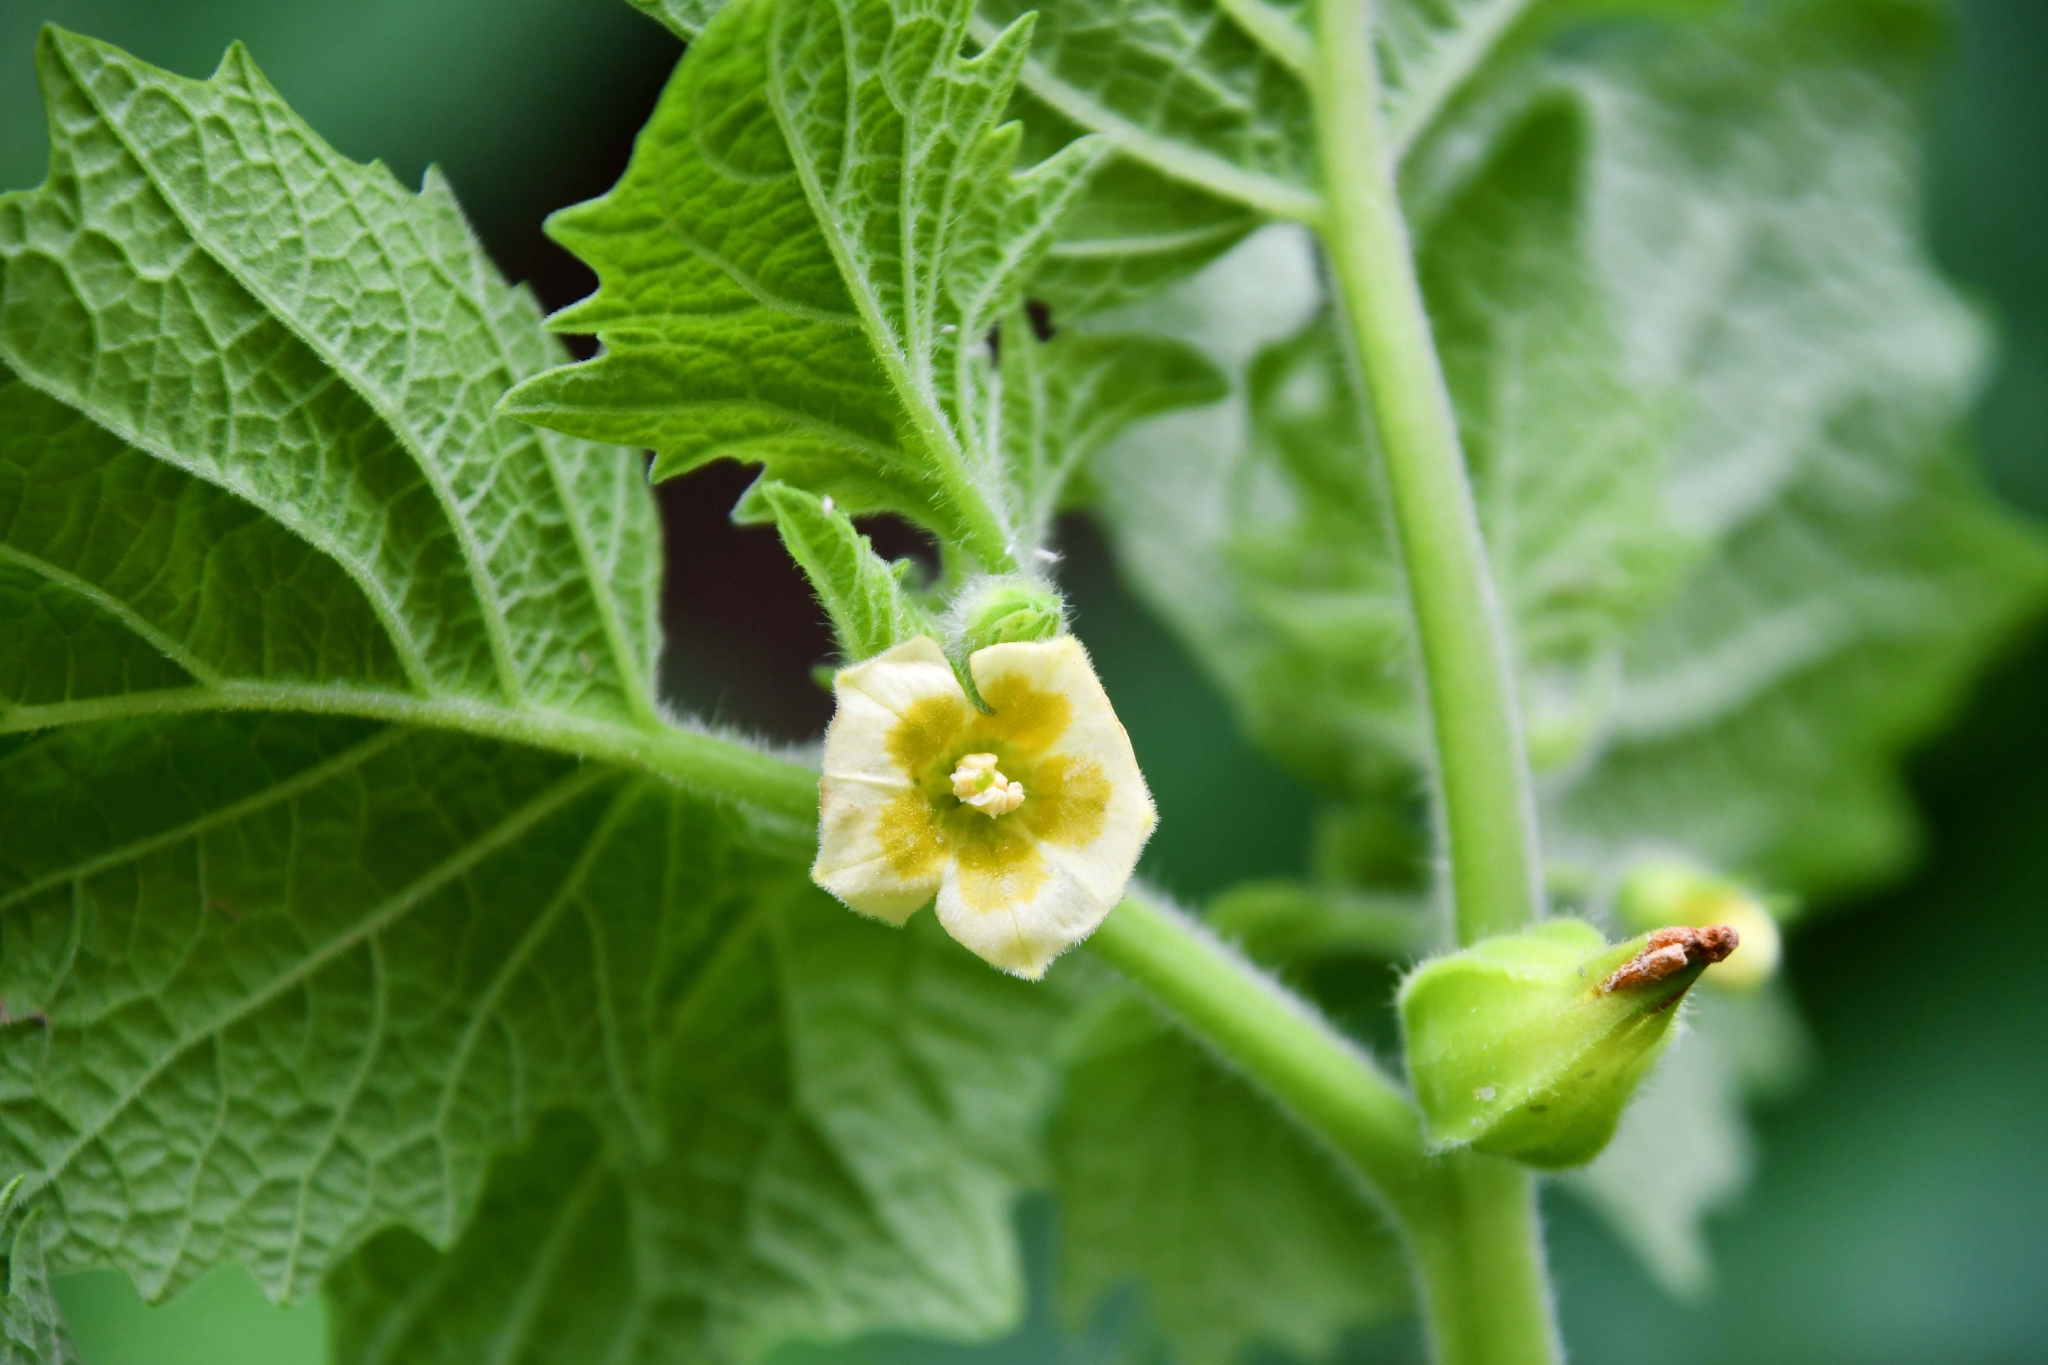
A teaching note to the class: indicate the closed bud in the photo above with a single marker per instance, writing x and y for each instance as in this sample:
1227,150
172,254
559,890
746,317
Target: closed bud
1673,891
1530,1045
1008,610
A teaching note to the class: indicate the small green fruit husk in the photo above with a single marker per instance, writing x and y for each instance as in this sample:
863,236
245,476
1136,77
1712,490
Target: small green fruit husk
1530,1045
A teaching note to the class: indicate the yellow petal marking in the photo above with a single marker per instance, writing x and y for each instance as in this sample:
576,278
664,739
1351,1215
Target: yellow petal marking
909,833
927,732
1030,719
1069,800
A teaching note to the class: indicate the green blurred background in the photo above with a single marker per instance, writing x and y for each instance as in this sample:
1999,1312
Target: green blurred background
1900,1216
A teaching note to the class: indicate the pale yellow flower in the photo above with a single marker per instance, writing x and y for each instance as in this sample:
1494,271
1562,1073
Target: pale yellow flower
1024,822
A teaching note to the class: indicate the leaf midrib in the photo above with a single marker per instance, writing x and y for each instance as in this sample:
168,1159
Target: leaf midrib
934,432
705,763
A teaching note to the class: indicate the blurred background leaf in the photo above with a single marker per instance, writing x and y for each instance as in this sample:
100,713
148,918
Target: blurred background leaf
1900,1212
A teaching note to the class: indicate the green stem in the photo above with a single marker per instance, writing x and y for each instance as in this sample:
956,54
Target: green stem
1309,1067
1470,1221
1478,1252
1472,1226
1488,811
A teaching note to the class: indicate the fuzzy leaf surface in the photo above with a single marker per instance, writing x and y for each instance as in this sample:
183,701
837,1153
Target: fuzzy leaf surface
257,524
814,262
1743,561
31,1324
862,593
853,1110
1205,104
1240,1228
344,845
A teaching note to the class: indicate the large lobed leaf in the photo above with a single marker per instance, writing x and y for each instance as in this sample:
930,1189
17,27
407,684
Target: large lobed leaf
851,1112
816,262
1708,387
343,847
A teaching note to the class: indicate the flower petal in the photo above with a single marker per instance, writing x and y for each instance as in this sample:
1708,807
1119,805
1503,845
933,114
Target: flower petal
1023,914
1093,810
873,698
878,848
883,877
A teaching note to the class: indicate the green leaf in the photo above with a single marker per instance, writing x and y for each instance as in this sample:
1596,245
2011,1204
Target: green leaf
1767,711
1707,384
1564,458
1127,232
1171,1169
251,271
344,840
1066,399
31,1325
810,261
293,981
853,1111
1205,104
1130,231
1207,94
862,593
1212,93
685,18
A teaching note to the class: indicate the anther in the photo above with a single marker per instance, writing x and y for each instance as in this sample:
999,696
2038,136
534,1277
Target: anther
980,784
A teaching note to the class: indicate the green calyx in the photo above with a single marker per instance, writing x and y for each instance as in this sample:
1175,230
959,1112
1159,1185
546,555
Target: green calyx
1529,1045
1010,609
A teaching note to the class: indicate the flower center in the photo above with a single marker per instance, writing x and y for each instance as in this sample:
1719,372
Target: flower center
980,784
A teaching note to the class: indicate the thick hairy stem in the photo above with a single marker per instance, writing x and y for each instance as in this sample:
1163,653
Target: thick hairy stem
1471,1224
1488,812
1478,1253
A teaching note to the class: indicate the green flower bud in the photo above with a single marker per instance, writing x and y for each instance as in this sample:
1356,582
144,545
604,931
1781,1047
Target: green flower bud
1529,1045
1008,610
1673,891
